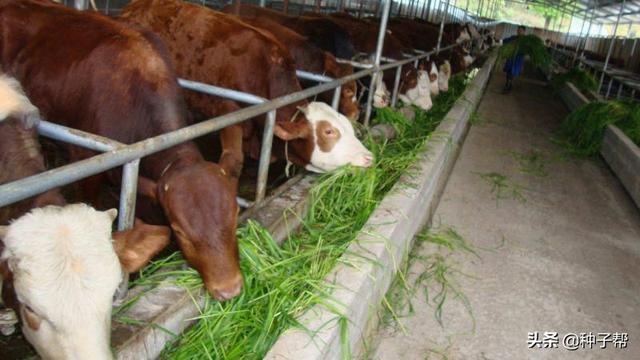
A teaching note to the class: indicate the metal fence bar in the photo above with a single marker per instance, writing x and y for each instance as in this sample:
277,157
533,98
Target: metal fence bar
128,193
64,175
265,156
76,137
221,92
615,30
335,102
396,86
382,31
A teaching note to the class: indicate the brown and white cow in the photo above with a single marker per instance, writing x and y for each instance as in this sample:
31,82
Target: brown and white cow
104,77
219,49
61,267
309,57
56,252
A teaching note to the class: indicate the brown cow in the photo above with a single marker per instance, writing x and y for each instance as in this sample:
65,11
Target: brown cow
219,49
20,154
55,251
101,76
309,57
324,33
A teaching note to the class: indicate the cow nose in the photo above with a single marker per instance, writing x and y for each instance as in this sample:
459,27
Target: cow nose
368,159
228,292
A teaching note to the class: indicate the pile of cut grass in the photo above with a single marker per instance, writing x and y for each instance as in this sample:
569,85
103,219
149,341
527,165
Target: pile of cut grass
281,282
583,130
527,45
578,77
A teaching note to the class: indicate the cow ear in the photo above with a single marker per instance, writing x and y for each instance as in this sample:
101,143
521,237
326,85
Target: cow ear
113,214
148,188
137,246
287,130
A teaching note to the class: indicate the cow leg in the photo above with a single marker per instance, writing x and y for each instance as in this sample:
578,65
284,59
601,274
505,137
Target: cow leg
232,157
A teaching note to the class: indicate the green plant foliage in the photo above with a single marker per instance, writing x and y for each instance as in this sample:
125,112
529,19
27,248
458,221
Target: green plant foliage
578,77
281,282
583,130
527,45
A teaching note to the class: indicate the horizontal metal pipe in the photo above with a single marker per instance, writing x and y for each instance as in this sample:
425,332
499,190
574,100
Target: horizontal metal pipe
76,137
221,92
36,184
311,76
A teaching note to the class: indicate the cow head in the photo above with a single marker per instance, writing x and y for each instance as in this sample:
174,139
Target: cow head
381,94
198,199
416,88
61,269
322,140
463,35
349,106
444,74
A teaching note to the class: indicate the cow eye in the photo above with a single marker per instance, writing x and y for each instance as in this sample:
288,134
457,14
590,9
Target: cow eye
329,131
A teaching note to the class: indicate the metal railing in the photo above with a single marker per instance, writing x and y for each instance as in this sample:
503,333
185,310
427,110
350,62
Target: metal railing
115,154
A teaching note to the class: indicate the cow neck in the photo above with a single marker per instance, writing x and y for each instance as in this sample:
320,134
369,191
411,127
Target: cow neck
178,156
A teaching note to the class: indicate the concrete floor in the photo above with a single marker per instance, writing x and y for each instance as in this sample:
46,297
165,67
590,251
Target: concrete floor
567,260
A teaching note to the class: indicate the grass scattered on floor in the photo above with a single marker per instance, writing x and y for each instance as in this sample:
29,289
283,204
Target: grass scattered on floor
477,119
503,187
436,281
531,162
281,282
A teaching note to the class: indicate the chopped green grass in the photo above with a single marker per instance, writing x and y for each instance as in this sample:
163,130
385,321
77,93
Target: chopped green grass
436,280
503,187
530,45
281,282
582,132
578,77
531,162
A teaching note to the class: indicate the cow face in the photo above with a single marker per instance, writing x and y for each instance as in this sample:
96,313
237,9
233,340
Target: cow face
463,36
381,94
433,79
420,94
61,269
199,202
348,106
325,142
444,74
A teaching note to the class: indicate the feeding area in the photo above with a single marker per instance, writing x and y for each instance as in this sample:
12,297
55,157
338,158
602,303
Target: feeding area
293,179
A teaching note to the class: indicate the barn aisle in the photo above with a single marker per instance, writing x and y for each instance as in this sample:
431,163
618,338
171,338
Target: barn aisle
558,252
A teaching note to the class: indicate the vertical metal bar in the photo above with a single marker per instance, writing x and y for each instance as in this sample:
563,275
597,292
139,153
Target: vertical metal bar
586,38
263,3
429,10
609,87
606,61
285,6
265,156
81,4
396,87
575,55
318,3
381,33
620,90
128,191
633,48
335,102
341,5
440,33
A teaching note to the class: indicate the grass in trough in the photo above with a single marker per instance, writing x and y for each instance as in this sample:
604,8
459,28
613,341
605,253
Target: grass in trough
578,77
503,187
582,132
436,279
281,282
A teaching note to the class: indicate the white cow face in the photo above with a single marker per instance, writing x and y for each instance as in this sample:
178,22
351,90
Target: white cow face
381,94
421,94
464,36
65,272
433,79
335,141
65,269
444,74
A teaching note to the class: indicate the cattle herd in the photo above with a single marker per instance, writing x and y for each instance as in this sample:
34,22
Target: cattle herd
117,78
